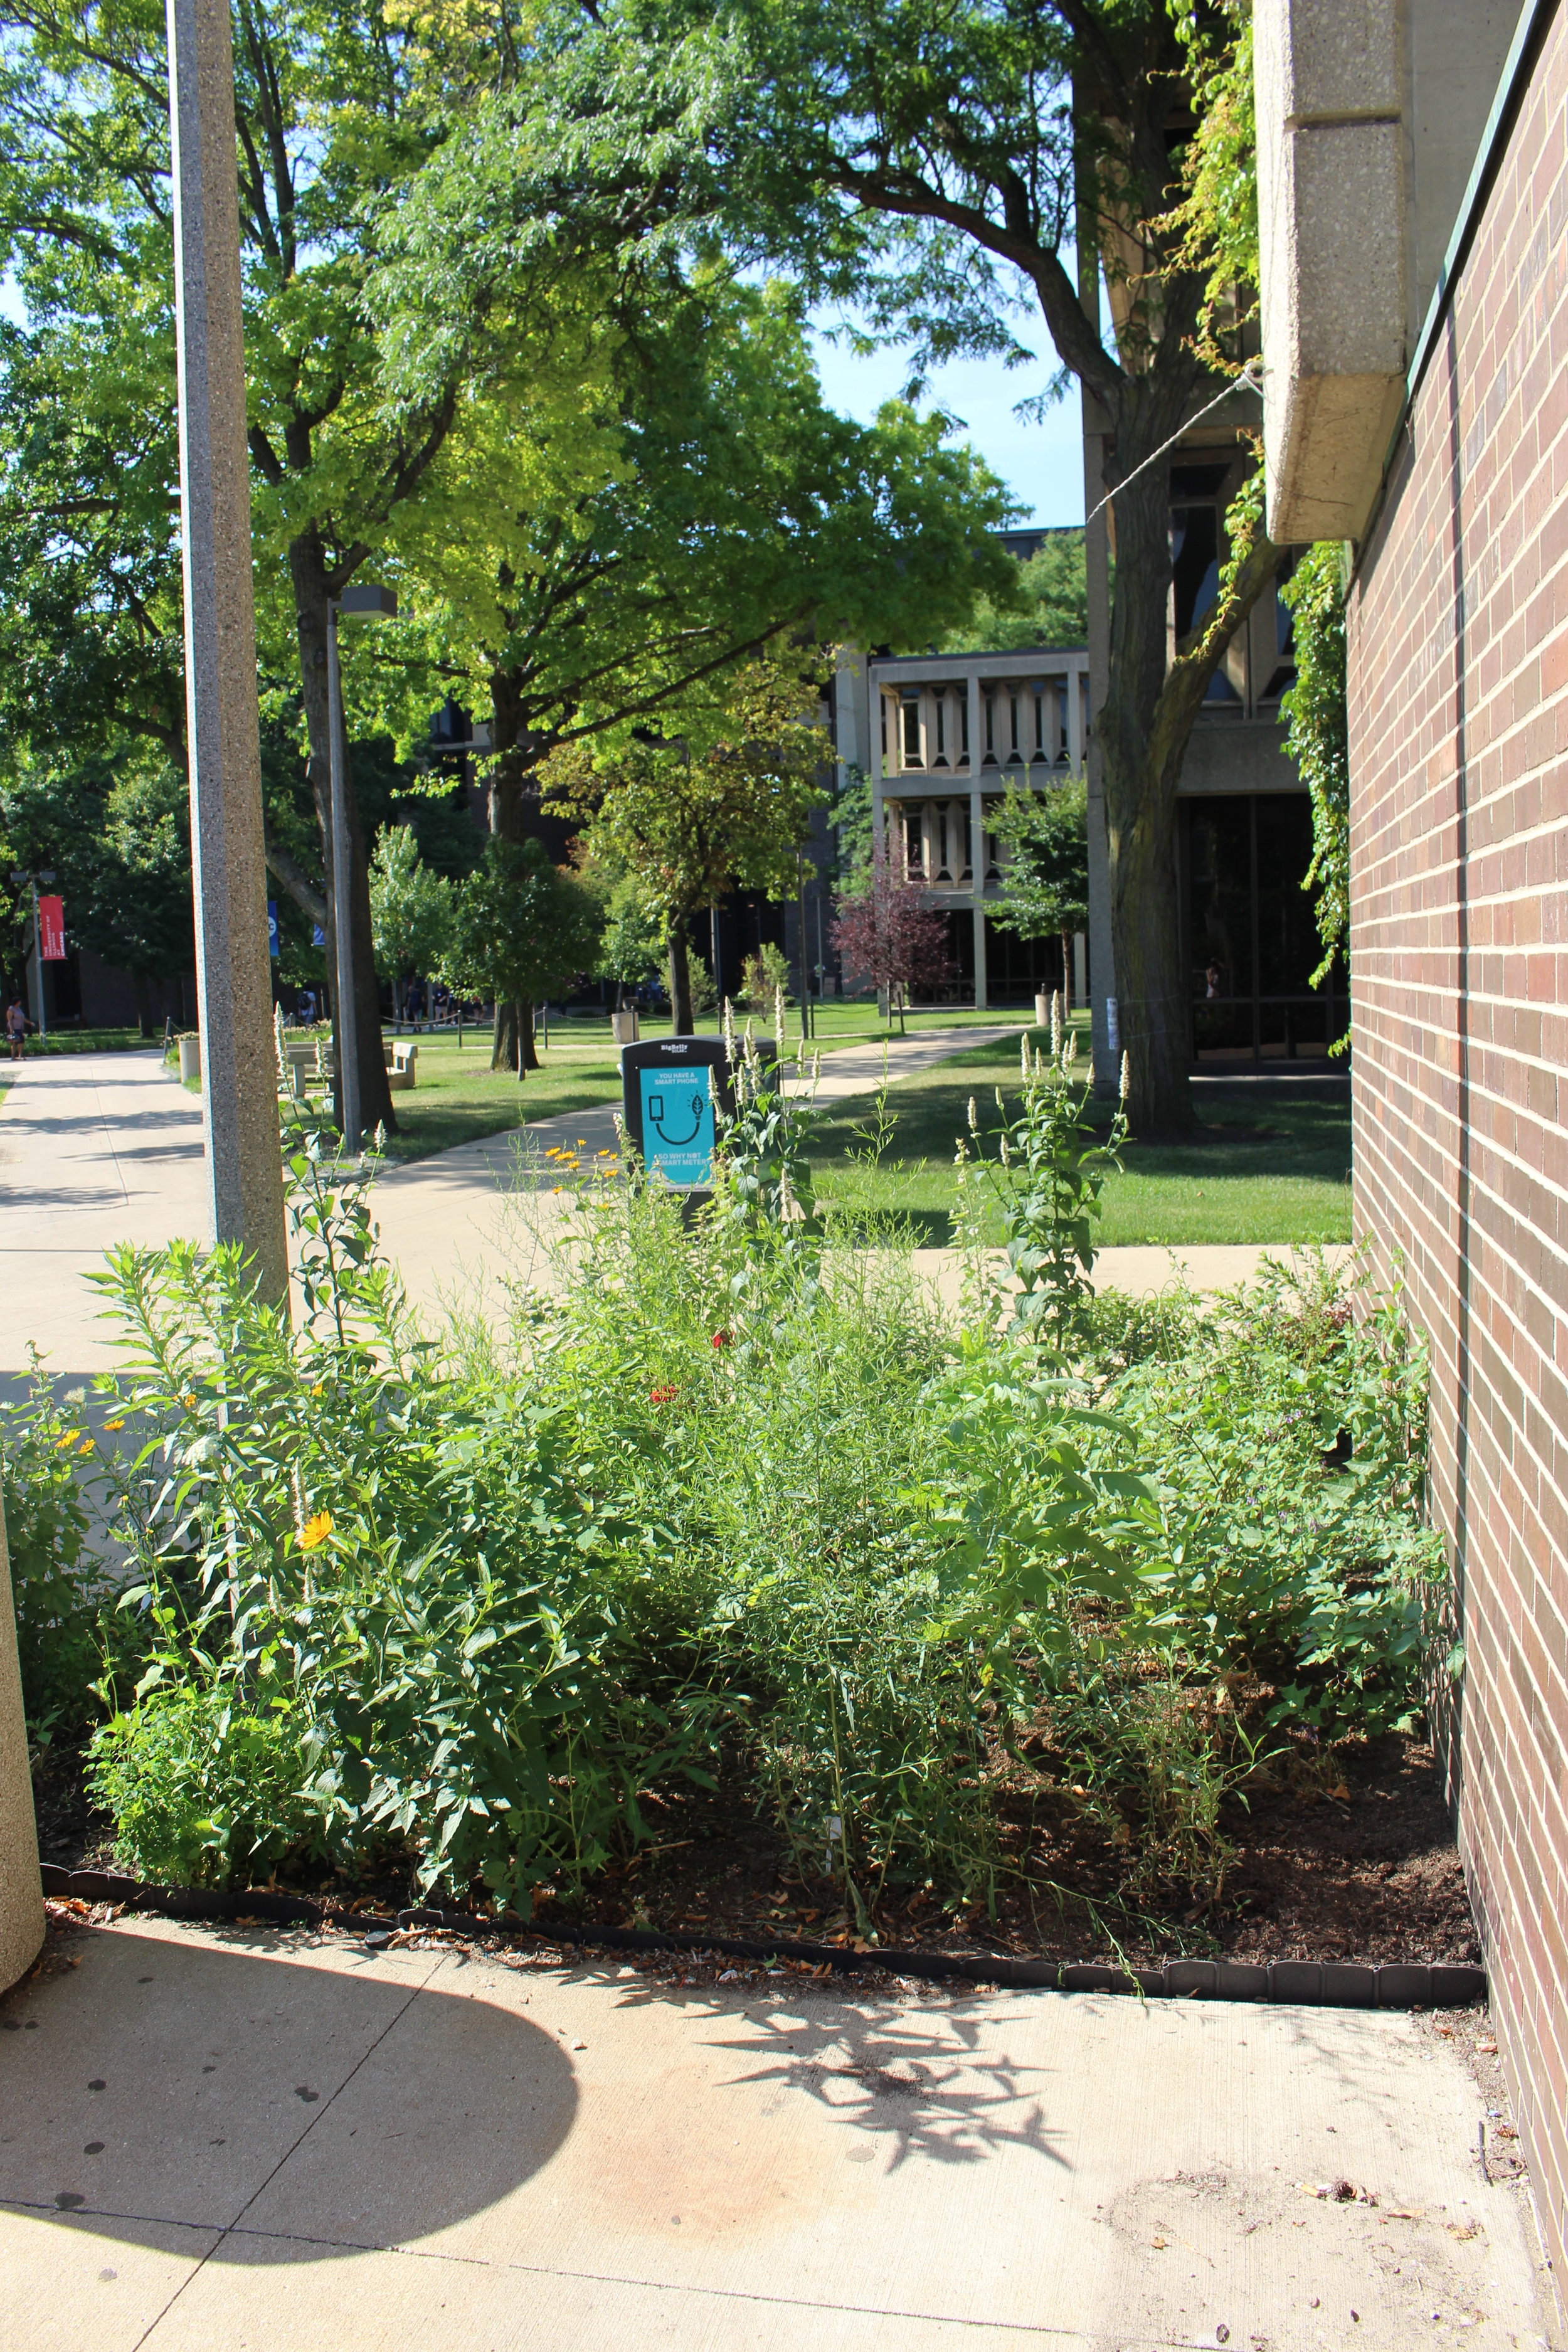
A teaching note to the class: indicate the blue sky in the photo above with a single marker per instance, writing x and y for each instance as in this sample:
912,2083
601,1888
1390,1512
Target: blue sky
1042,464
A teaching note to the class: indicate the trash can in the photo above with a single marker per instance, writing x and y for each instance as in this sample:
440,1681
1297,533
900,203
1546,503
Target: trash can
624,1026
190,1057
1042,1010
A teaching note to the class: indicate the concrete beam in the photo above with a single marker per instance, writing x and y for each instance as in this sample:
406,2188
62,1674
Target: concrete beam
1332,227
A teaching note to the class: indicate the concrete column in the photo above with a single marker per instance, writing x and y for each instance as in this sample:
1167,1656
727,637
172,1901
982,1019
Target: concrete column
977,859
234,978
21,1897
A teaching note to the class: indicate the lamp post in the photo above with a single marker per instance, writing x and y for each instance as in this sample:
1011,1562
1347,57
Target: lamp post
234,969
365,597
33,880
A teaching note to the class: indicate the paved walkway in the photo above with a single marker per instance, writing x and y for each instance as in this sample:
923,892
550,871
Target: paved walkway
97,1149
283,2142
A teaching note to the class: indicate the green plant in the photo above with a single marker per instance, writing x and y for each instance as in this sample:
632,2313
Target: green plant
1045,1178
205,1788
763,977
765,1143
407,1560
1317,738
54,1582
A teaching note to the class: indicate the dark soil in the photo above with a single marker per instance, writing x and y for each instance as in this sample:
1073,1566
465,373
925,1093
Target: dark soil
1369,1874
1373,1874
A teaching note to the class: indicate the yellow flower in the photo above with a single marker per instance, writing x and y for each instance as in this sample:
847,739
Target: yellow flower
316,1387
68,1439
114,1425
316,1531
86,1445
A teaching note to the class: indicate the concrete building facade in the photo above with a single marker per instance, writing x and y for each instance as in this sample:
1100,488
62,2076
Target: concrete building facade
1415,303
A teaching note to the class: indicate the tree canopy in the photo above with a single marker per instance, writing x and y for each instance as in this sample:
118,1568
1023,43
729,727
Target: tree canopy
693,820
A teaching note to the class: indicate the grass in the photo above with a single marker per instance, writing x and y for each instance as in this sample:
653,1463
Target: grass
1275,1171
458,1098
91,1041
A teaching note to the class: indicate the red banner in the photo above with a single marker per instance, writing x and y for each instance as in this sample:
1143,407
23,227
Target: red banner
52,930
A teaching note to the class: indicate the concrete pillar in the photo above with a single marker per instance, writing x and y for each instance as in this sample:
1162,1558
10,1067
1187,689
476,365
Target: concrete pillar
234,974
977,861
21,1897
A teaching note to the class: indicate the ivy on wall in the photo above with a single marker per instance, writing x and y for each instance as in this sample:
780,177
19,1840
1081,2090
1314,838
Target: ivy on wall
1316,739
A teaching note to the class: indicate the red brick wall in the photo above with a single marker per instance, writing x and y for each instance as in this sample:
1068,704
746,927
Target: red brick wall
1459,695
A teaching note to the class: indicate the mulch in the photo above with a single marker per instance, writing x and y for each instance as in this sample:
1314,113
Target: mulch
1369,1872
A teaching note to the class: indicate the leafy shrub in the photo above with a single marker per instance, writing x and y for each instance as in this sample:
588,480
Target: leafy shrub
1045,1175
764,978
406,1562
54,1579
734,1497
204,1788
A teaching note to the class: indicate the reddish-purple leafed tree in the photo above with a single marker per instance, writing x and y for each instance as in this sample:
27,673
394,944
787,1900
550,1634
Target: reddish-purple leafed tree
886,933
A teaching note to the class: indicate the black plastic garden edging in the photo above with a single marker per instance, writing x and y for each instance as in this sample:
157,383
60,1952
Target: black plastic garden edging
1314,1984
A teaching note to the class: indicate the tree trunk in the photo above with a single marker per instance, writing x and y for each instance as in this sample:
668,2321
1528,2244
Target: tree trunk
681,1022
308,569
144,987
1143,728
511,1040
1066,938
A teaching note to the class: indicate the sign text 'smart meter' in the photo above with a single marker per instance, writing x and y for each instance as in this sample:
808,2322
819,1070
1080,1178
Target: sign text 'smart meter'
672,1086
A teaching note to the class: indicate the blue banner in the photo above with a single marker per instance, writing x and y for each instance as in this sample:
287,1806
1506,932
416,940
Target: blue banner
272,926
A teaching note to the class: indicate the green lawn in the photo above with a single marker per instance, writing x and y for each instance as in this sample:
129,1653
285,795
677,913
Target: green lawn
1270,1170
91,1041
458,1099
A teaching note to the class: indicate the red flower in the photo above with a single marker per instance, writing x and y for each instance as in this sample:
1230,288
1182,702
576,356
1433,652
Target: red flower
663,1396
720,1338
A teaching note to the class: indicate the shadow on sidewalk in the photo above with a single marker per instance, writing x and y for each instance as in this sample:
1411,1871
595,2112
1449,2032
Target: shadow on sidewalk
156,2081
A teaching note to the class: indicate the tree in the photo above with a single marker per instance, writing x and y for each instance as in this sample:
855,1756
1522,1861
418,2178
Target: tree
629,949
695,820
887,932
119,845
1045,883
698,503
329,130
521,929
411,910
940,162
1053,587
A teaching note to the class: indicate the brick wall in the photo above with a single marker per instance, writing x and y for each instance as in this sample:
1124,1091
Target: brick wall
1458,629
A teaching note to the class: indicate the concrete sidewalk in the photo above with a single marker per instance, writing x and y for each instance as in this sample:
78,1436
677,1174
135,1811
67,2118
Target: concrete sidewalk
285,2143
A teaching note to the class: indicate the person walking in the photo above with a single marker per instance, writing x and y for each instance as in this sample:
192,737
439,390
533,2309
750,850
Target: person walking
16,1028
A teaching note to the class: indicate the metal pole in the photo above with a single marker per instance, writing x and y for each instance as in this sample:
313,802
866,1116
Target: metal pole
234,971
38,961
804,974
342,911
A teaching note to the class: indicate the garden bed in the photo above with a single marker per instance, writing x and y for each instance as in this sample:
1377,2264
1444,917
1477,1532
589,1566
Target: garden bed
1372,1877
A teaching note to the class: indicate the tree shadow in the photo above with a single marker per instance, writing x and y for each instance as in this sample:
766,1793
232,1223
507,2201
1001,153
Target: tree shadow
168,2082
918,2084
